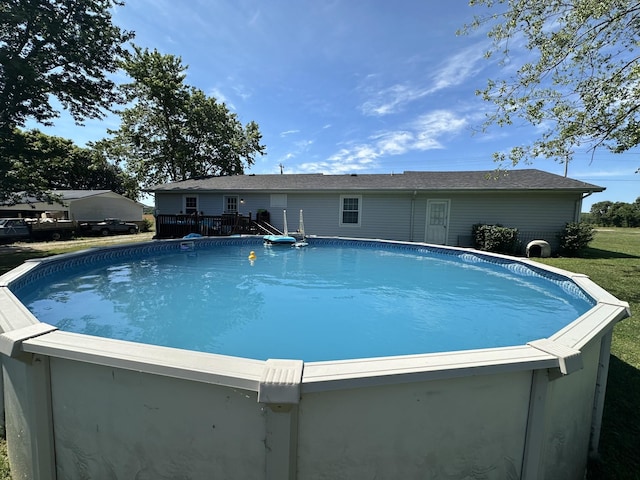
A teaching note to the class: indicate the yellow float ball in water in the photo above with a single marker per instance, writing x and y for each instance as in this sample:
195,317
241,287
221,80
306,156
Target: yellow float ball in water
252,255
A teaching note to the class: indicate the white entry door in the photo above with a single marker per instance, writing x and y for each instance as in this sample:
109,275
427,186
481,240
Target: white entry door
437,226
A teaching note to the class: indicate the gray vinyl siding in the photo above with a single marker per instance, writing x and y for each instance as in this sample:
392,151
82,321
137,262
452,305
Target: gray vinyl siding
381,216
168,203
399,215
533,214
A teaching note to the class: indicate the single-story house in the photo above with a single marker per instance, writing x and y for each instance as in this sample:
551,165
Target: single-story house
432,207
79,205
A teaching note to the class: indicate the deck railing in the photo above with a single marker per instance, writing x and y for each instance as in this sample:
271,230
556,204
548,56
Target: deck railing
177,226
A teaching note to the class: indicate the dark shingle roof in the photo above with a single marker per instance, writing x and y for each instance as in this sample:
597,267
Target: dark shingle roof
77,194
530,179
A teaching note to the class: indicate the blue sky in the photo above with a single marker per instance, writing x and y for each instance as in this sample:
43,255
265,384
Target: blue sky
348,86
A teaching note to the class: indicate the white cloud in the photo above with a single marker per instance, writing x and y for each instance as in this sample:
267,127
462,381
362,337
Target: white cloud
391,99
424,133
298,148
394,143
221,97
459,67
288,132
331,167
242,91
453,71
438,123
358,154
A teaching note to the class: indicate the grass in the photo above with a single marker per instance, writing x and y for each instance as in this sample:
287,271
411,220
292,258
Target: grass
612,261
15,254
5,472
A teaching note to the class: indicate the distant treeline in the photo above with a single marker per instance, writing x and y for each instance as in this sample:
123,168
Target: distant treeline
614,214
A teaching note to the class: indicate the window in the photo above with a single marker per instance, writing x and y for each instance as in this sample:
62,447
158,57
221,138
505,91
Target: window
190,205
350,210
231,204
278,200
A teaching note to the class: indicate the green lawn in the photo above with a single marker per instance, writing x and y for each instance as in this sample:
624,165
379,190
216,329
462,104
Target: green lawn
613,262
13,255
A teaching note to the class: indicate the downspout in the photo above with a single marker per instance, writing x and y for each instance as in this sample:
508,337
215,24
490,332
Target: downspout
579,207
411,219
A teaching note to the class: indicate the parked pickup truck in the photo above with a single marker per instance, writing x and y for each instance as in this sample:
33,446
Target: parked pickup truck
14,229
109,226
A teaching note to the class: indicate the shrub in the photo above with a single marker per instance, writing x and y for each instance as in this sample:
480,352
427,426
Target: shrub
147,225
575,237
495,238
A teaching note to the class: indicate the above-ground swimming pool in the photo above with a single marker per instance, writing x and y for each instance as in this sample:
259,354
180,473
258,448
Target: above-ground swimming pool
345,359
324,302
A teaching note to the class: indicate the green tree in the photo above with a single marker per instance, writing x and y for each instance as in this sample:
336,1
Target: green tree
625,215
580,83
616,214
174,132
601,213
62,49
43,163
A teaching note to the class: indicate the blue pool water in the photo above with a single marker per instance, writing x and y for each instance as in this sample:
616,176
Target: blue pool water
315,303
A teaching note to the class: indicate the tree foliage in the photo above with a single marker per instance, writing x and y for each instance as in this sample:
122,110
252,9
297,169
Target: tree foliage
580,83
57,48
174,132
575,237
615,214
62,49
42,163
495,238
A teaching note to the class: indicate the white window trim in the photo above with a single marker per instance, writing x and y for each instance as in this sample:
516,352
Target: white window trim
340,222
224,203
184,202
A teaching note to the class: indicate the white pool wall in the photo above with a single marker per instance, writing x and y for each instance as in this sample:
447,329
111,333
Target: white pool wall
88,407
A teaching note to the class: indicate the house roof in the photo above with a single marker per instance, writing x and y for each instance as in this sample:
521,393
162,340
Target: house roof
66,196
72,195
78,194
490,180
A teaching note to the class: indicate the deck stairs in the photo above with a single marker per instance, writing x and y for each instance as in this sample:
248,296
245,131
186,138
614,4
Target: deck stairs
267,228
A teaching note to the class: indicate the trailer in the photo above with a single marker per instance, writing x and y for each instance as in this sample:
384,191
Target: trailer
35,229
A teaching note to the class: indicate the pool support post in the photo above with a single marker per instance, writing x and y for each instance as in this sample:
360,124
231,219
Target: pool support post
27,392
29,423
279,390
601,387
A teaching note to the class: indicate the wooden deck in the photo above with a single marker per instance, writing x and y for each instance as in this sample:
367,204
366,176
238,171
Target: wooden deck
177,226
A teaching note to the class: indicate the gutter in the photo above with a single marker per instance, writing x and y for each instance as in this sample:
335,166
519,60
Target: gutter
579,206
